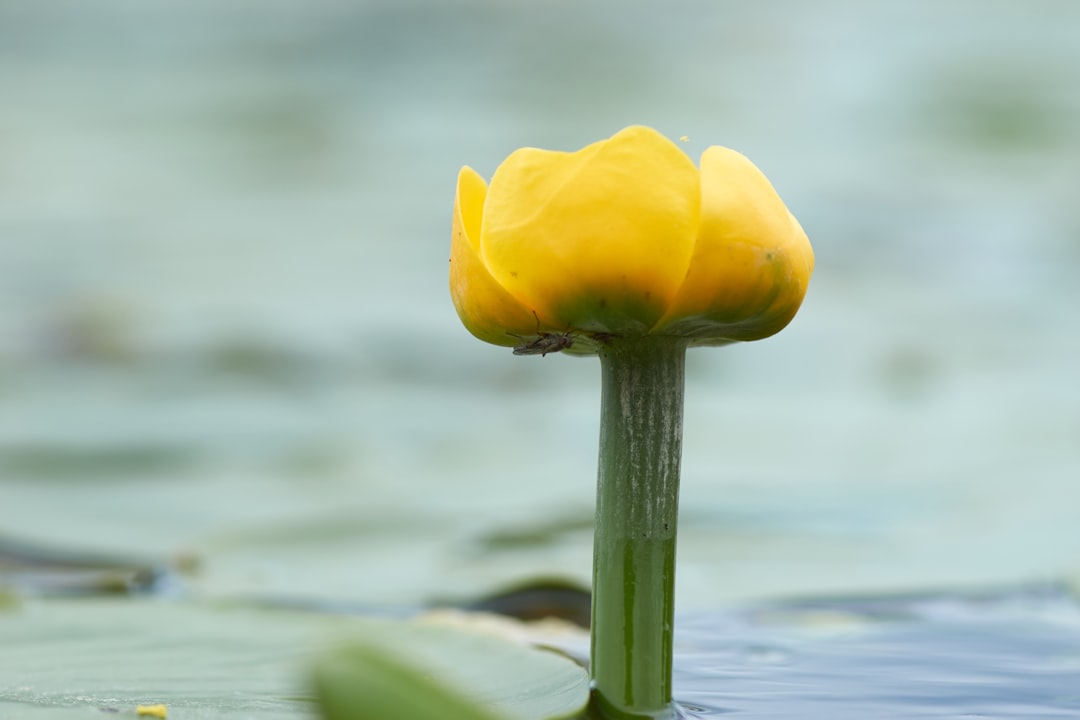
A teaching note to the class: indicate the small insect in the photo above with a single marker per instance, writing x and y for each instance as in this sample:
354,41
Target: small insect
544,343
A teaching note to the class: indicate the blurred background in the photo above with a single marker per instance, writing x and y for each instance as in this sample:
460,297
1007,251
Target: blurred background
226,339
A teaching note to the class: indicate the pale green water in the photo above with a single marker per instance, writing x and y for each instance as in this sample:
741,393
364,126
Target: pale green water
226,332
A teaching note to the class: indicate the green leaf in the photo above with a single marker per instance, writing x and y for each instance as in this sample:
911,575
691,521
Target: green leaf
365,682
403,670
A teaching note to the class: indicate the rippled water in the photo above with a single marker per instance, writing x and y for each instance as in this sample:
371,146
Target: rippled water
1007,655
226,341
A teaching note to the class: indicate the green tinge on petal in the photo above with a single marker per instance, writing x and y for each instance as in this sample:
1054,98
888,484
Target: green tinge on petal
599,239
752,262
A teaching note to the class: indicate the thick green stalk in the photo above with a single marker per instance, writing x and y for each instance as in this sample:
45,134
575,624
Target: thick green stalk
637,504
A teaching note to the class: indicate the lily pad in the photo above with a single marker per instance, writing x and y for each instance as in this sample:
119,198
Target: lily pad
64,657
442,672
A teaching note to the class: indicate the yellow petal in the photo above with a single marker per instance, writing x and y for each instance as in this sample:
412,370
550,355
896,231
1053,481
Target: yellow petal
599,239
752,262
485,308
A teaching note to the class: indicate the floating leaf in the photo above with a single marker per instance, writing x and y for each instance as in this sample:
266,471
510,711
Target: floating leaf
63,657
395,670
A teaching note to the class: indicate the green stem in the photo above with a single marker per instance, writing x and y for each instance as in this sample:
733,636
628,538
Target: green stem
637,505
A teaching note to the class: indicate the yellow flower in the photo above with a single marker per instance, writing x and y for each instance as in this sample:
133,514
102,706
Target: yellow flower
624,238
